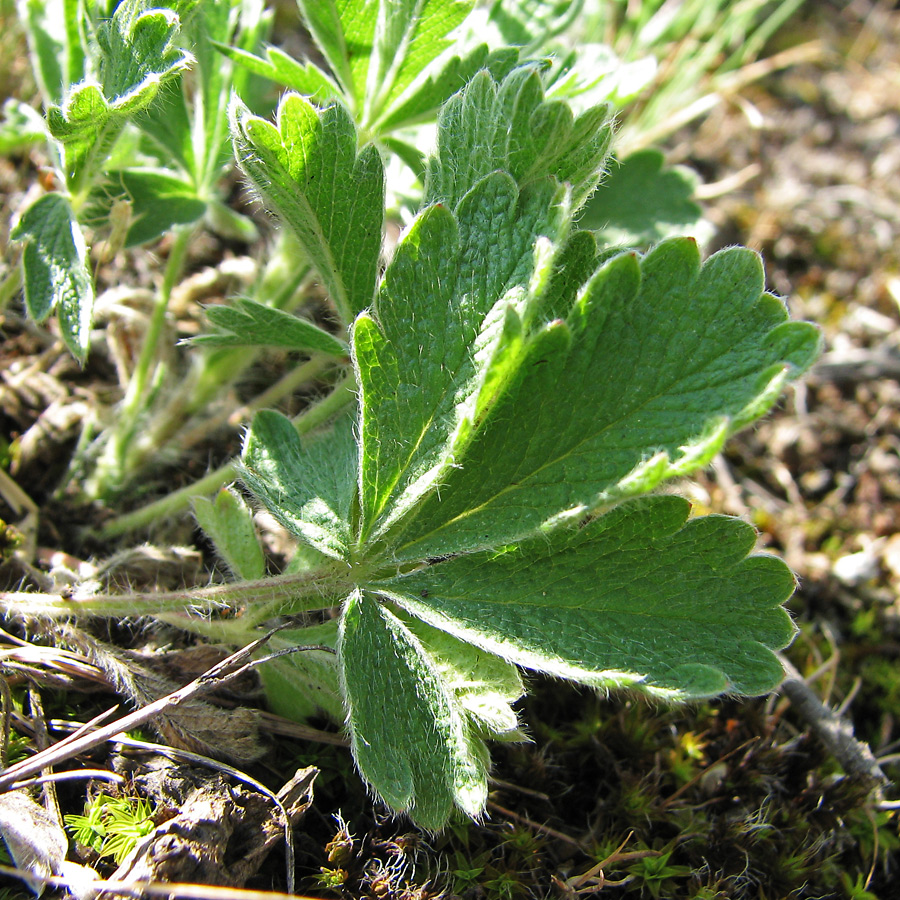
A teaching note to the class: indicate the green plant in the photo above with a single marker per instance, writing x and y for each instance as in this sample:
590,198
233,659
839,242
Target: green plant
92,86
136,131
856,889
653,872
688,54
137,151
484,497
112,826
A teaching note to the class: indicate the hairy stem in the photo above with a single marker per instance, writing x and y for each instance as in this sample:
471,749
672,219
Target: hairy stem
113,464
211,372
178,501
135,395
287,594
10,285
287,384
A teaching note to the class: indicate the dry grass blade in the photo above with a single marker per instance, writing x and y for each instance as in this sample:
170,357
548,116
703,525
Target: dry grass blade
537,826
836,733
188,756
54,659
215,677
54,777
158,889
218,675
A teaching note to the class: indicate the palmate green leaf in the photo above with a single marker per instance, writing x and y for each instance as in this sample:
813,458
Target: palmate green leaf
159,201
640,202
634,598
409,35
206,27
307,169
309,486
442,82
250,324
138,52
56,270
450,314
511,127
344,31
420,98
188,121
410,738
378,50
137,56
517,386
305,78
658,362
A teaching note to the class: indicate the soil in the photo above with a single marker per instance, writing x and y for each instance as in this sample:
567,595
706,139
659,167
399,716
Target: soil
728,799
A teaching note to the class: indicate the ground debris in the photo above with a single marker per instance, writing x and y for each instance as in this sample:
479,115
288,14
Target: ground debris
215,831
192,725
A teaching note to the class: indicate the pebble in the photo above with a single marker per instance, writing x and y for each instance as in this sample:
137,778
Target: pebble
855,569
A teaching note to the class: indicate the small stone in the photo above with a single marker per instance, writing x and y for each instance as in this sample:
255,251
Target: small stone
890,556
855,569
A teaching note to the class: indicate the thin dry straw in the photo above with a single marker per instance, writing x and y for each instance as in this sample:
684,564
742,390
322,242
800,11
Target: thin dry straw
215,677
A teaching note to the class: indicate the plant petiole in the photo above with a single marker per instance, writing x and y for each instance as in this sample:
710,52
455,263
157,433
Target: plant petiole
295,593
343,394
114,462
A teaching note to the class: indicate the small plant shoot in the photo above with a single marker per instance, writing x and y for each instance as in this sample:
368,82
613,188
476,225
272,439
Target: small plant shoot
526,372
